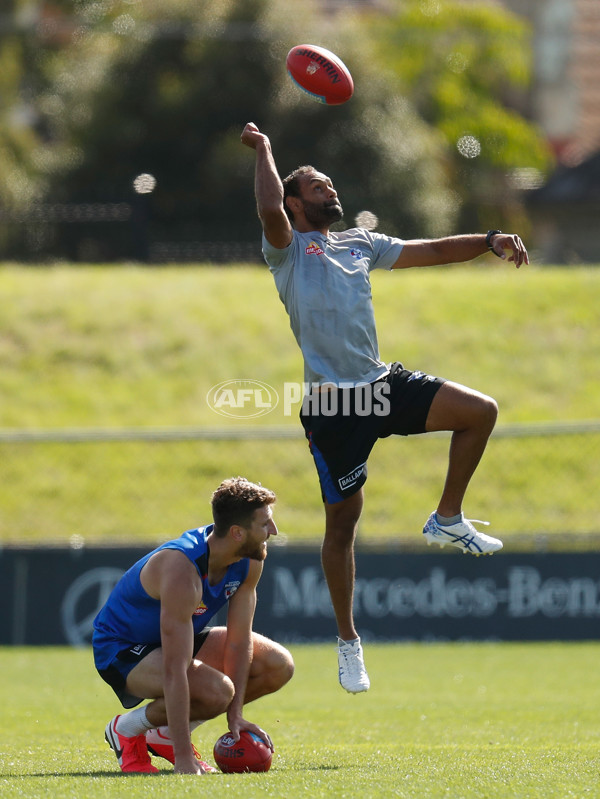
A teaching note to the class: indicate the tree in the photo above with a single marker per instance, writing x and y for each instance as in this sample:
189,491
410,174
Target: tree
18,137
165,89
463,66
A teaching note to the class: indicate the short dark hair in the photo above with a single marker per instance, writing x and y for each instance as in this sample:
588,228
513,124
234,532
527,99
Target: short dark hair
291,185
235,501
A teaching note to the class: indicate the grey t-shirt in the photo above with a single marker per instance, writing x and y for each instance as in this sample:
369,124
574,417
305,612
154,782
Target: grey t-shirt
323,281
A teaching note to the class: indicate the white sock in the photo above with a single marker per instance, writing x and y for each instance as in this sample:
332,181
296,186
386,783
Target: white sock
164,731
352,641
134,723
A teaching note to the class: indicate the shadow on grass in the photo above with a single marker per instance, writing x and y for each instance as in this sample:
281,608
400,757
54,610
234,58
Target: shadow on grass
166,773
312,768
57,774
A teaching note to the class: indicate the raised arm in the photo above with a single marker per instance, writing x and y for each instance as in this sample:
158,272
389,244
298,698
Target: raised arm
268,189
456,249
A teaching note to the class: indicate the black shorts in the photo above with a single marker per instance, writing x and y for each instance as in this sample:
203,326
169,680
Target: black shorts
116,674
343,424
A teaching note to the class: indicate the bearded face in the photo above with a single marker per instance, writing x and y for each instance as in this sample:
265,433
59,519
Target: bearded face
253,549
319,200
261,528
324,213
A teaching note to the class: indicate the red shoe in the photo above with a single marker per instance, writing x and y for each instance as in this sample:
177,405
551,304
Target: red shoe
161,746
132,753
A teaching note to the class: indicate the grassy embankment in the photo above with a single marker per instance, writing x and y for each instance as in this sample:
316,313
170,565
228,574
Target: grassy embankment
123,346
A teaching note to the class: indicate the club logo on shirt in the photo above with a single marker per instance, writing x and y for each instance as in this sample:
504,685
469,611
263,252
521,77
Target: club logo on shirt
200,609
231,588
314,249
356,253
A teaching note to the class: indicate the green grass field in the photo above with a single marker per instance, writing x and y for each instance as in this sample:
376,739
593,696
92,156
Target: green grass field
125,346
441,720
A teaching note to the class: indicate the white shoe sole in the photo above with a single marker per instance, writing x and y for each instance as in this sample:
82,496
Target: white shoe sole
434,539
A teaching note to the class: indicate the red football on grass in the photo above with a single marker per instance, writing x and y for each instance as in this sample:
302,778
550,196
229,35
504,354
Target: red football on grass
250,753
320,73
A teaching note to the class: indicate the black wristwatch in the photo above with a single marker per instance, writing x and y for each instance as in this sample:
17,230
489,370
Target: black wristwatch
488,241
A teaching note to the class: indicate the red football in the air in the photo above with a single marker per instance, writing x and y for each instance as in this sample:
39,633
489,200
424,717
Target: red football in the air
250,753
320,73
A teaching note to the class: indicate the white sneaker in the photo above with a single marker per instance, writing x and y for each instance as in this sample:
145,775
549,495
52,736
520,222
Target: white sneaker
352,673
462,535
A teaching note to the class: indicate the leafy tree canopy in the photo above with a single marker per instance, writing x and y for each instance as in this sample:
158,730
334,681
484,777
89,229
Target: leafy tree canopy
124,87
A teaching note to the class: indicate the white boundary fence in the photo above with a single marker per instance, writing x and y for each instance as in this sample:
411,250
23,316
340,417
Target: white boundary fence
89,434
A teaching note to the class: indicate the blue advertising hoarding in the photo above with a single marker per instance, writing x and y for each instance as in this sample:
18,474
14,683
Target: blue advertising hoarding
50,596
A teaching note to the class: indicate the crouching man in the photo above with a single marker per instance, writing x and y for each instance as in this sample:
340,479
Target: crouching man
151,639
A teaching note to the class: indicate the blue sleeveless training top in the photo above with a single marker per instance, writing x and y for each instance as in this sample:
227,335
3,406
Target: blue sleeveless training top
131,616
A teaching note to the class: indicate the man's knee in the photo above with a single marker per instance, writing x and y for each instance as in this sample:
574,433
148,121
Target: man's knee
488,411
281,667
341,519
482,413
272,663
211,697
458,408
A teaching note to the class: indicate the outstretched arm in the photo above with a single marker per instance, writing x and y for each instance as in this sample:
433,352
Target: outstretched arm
268,189
456,249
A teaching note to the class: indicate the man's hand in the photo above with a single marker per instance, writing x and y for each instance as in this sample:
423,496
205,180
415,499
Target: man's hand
251,136
507,241
188,765
238,725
